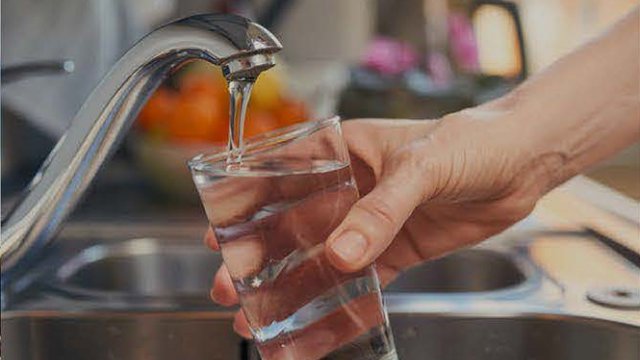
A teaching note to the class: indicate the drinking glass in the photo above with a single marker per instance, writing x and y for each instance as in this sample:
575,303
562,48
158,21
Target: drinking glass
271,215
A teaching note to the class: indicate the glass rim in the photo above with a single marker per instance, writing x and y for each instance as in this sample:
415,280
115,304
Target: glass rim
273,137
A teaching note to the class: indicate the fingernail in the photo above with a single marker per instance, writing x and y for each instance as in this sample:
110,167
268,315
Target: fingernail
212,295
350,246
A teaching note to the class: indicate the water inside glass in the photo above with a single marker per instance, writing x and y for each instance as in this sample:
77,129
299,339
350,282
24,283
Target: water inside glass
271,215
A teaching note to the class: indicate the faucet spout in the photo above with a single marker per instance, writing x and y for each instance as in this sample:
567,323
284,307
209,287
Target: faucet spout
240,47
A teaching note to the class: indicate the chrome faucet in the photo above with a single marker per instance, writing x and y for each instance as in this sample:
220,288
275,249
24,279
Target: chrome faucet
240,47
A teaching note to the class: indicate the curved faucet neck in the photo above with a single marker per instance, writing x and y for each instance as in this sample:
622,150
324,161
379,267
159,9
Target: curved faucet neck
242,48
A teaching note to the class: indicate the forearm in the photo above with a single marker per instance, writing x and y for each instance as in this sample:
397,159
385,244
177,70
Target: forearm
583,108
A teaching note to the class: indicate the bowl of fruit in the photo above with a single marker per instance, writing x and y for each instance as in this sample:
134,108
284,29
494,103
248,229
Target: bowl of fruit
189,114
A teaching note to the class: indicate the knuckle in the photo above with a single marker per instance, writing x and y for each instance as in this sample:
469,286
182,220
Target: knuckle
414,167
379,210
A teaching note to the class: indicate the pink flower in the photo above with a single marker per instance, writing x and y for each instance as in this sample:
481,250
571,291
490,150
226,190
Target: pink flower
389,56
464,48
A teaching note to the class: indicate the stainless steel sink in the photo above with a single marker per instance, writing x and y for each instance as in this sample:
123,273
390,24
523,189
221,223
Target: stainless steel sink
141,268
147,298
207,335
530,337
108,335
470,270
155,268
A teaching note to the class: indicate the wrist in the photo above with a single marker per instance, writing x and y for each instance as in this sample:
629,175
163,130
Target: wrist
579,111
537,159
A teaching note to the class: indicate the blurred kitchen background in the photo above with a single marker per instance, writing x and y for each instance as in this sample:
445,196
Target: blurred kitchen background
416,59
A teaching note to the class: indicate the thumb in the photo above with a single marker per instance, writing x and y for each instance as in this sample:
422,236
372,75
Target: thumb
373,221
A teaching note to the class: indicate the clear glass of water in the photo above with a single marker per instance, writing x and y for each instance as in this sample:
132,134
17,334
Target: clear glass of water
271,215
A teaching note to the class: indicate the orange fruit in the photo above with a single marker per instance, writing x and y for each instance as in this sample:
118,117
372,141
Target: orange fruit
198,117
258,122
291,112
158,109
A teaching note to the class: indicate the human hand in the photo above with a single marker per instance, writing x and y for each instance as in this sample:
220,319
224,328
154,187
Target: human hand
429,187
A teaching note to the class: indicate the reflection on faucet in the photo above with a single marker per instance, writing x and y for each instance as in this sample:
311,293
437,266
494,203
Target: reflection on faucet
240,47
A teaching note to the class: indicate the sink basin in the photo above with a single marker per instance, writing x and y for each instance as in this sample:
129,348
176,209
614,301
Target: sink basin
546,337
141,268
96,336
470,270
164,269
208,335
148,299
